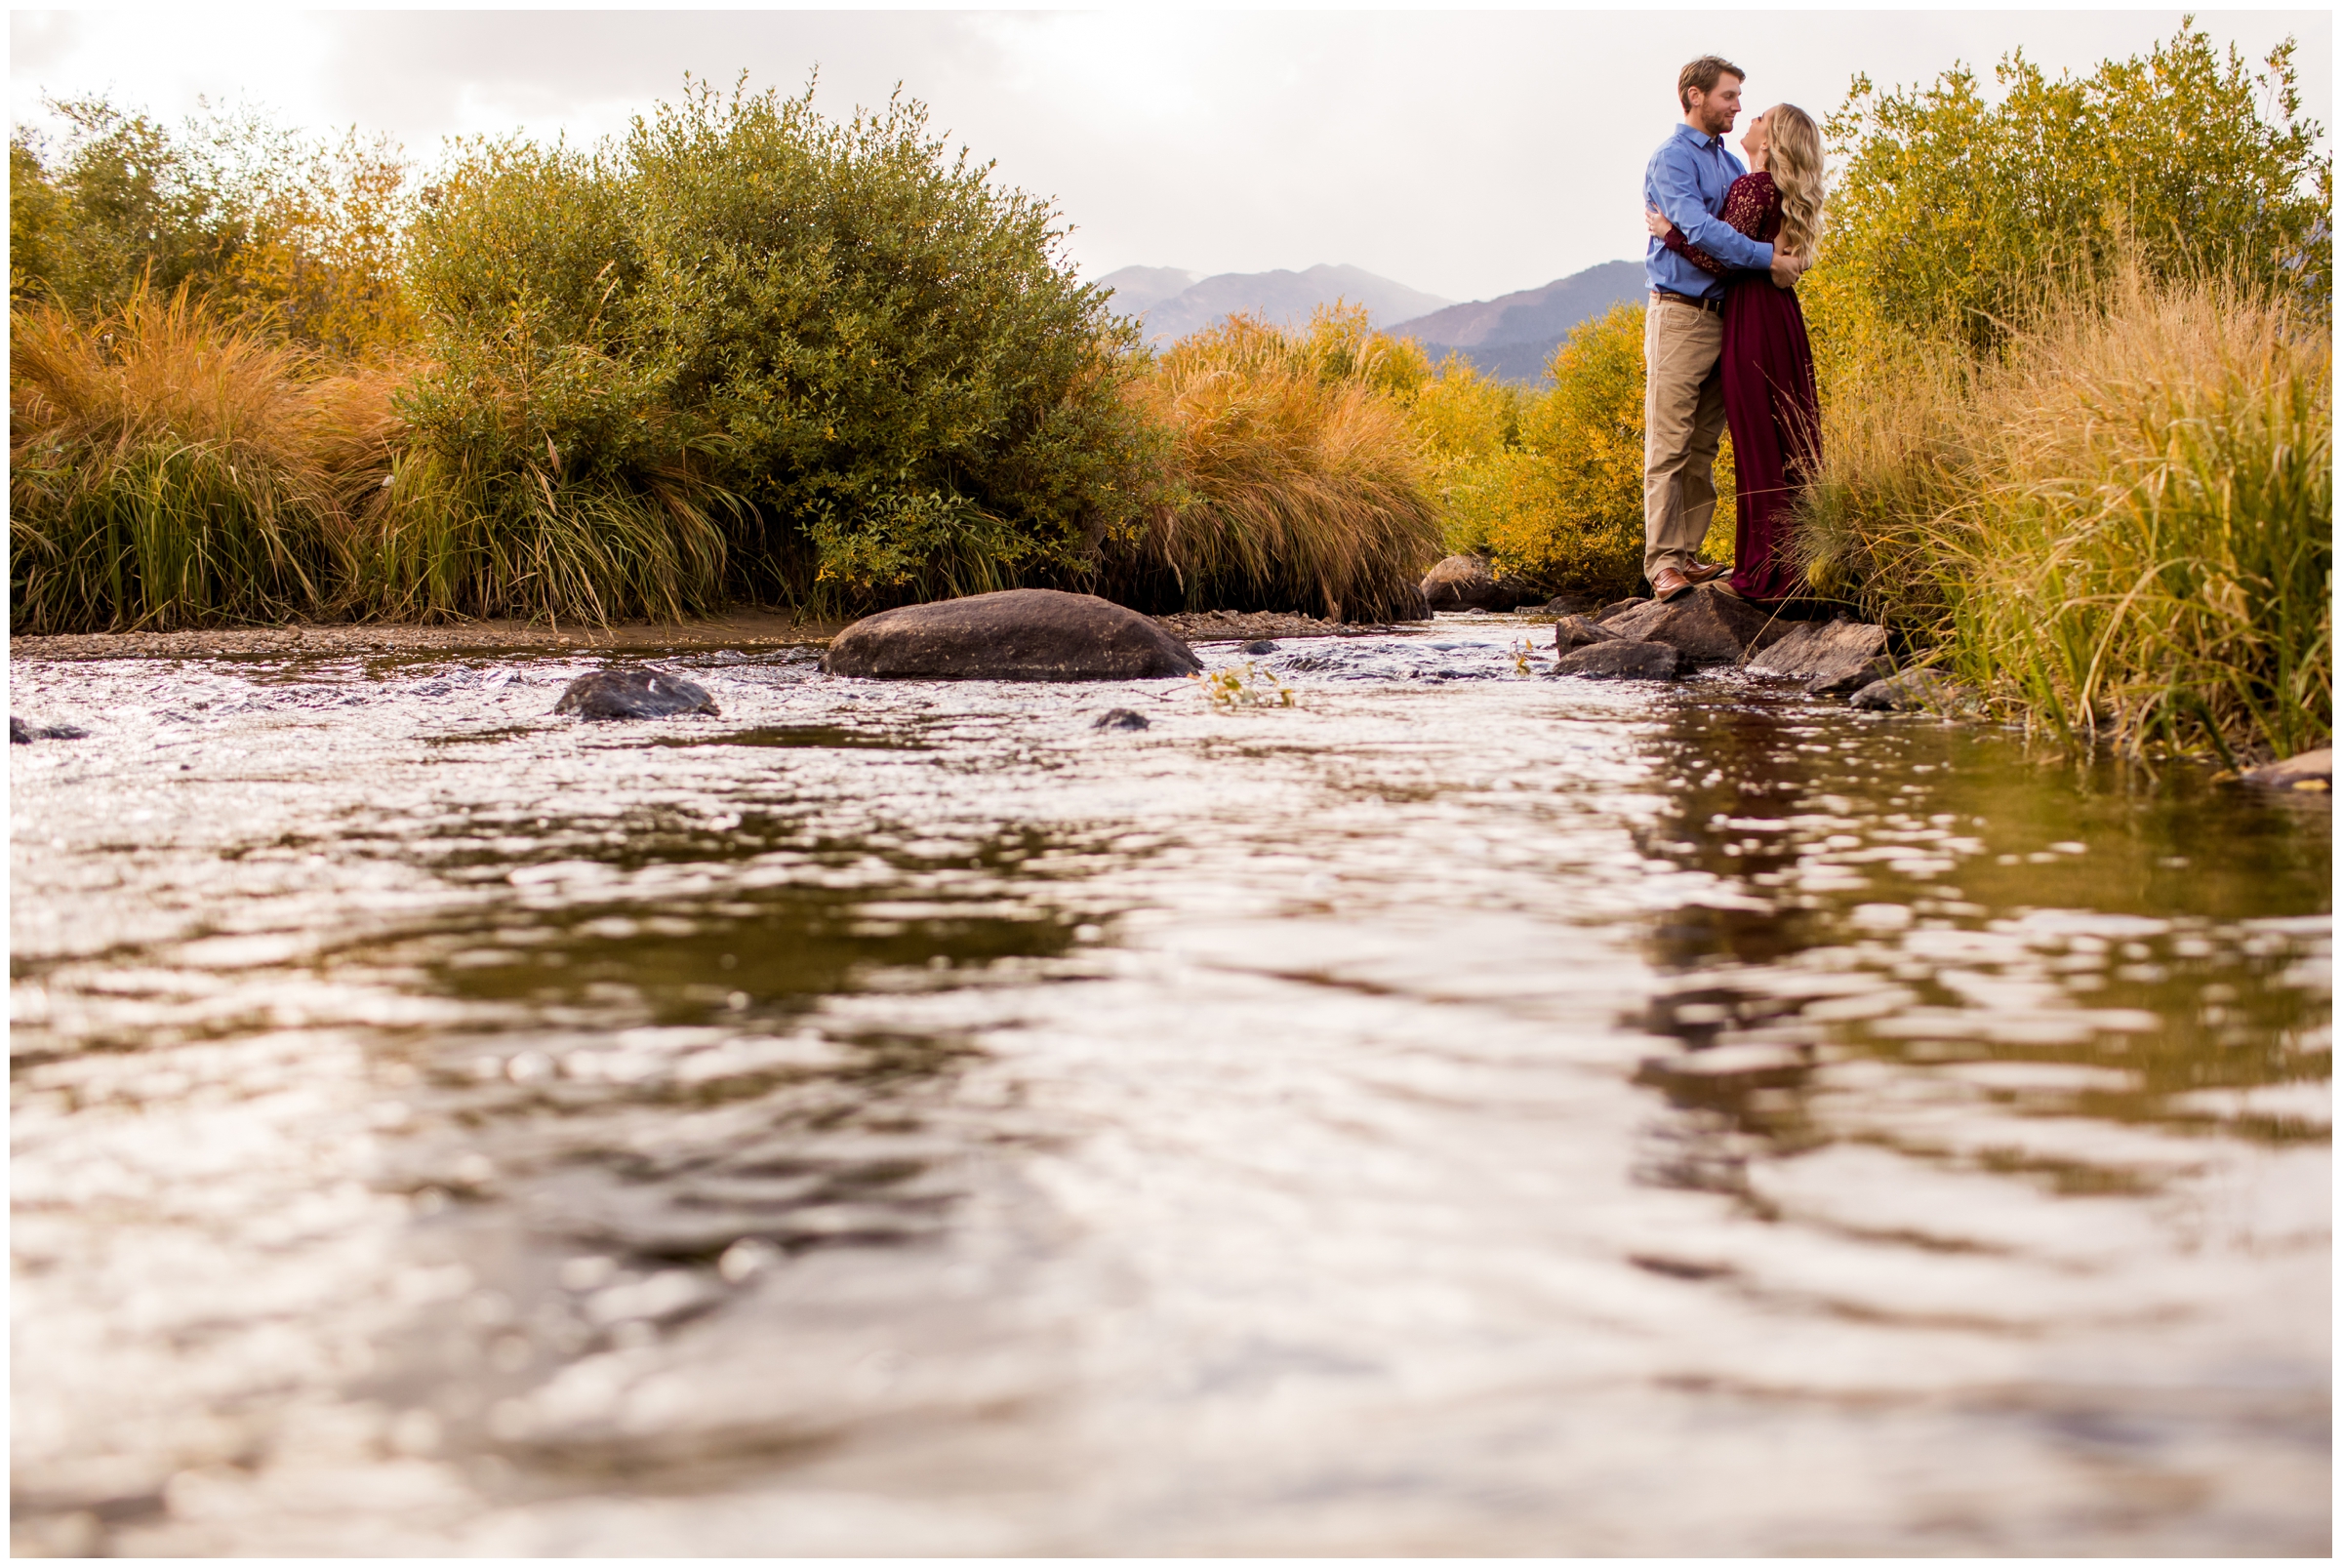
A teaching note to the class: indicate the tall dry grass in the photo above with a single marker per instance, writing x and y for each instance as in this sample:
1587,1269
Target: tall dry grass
1296,483
170,467
476,505
164,471
2120,530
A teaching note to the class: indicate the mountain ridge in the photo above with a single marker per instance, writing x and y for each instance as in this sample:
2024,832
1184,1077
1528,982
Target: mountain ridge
1282,295
1512,337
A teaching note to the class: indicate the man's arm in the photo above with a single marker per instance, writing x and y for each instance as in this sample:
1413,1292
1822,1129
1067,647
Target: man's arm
1675,193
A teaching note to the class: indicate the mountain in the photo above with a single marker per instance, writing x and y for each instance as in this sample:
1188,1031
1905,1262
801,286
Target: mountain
1513,335
1282,297
1138,287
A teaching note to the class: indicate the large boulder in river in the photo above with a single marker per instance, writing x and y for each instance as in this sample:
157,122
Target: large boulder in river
1020,634
1467,582
1704,625
633,694
1829,657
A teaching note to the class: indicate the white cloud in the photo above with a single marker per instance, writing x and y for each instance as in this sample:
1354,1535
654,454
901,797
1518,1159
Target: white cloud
1464,154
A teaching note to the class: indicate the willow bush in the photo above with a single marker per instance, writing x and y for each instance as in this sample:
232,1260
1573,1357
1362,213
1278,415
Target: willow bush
871,347
1949,216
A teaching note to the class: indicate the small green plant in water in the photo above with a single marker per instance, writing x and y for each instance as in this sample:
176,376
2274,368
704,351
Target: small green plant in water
1234,688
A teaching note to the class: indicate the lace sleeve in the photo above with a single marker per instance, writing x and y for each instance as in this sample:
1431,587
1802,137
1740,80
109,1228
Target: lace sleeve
1747,203
1691,252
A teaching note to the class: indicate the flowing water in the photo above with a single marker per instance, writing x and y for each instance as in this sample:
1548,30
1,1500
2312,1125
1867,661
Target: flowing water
1462,1111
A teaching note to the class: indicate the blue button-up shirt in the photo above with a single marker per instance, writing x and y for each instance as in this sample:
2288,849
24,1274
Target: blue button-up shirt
1687,179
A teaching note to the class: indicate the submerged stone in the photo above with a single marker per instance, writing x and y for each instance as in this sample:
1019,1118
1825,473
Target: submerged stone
17,733
2312,771
1909,692
1119,718
633,694
22,734
1260,646
1020,634
1623,659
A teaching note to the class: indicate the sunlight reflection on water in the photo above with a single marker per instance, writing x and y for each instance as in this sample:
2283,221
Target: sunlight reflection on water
1461,1112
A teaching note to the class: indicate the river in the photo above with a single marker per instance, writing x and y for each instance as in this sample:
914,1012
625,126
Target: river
1462,1111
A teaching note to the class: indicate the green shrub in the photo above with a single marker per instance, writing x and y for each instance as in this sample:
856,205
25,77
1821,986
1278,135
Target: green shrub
872,345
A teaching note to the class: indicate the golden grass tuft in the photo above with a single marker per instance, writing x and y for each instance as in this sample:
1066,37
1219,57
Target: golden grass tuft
1295,487
164,471
2120,530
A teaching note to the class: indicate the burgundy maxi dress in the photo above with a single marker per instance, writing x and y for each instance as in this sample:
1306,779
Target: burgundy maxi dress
1770,402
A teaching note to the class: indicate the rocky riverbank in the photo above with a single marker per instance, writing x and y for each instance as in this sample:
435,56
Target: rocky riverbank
747,630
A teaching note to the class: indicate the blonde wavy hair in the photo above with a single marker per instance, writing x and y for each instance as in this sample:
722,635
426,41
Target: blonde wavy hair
1793,156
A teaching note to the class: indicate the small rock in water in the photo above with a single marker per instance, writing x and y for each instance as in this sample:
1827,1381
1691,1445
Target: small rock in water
1623,659
1912,689
1576,631
2312,771
1119,718
633,694
21,733
1262,646
17,734
1830,656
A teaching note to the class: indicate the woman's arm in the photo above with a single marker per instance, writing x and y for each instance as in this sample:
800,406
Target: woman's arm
1669,235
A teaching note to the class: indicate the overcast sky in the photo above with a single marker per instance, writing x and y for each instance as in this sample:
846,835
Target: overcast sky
1464,154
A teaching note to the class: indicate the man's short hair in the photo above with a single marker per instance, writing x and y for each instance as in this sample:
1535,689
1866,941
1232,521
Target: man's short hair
1703,74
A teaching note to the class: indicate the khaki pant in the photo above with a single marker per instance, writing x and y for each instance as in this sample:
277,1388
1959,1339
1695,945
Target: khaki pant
1683,422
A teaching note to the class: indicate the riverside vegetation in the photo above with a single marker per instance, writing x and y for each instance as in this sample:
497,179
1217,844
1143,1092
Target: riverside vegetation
2078,449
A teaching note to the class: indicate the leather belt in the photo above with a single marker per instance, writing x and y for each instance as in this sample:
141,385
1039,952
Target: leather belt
1713,304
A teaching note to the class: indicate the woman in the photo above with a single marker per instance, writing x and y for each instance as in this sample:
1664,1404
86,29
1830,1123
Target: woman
1769,399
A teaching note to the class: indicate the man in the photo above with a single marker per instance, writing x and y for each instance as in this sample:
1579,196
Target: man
1683,330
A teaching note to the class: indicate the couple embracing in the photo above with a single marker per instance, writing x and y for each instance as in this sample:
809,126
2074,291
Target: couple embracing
1724,339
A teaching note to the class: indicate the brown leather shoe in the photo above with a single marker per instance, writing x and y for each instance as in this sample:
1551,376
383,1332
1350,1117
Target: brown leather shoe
1705,572
1669,583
